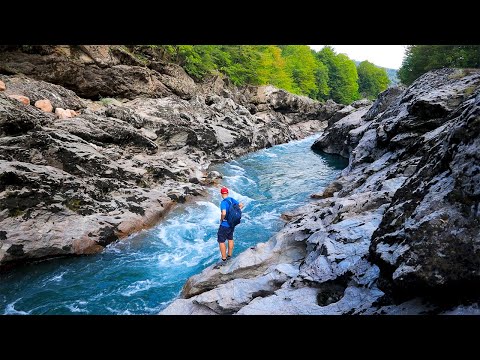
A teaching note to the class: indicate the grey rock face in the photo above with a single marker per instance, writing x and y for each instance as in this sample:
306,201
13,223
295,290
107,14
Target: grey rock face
39,90
343,136
16,118
90,71
428,238
398,232
384,100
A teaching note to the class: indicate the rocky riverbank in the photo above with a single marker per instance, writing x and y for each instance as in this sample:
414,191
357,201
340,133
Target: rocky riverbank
397,233
97,143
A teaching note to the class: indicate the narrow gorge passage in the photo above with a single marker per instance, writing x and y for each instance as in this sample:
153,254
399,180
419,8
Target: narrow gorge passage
144,273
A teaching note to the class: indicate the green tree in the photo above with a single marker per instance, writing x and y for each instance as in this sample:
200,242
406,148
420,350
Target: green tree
198,60
421,58
243,65
301,66
342,75
272,68
372,80
347,77
321,77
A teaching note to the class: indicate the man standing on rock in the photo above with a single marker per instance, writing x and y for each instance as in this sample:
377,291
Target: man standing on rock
225,231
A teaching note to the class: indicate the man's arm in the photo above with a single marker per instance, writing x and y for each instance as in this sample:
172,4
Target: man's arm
222,215
239,204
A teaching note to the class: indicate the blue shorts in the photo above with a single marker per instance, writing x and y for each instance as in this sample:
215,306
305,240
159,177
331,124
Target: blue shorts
224,233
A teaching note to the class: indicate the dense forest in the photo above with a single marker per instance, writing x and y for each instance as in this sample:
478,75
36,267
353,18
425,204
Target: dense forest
421,58
320,75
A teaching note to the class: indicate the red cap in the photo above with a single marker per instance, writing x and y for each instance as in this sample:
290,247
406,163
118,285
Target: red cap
224,190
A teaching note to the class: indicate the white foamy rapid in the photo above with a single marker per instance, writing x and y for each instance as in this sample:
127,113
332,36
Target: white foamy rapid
10,309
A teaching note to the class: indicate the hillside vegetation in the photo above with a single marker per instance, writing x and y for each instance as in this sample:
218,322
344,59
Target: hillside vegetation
298,69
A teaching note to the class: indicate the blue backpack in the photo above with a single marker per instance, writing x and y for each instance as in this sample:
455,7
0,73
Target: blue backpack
234,214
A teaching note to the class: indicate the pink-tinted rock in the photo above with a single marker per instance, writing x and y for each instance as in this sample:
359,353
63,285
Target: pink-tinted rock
2,86
23,99
44,105
64,113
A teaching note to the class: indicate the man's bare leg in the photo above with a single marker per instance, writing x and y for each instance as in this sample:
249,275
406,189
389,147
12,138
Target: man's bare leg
230,247
223,250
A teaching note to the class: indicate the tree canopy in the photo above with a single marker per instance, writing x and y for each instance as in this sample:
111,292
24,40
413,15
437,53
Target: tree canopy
421,58
301,65
296,68
272,68
372,80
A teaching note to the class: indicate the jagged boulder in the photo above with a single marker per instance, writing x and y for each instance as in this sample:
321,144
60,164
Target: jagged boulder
343,136
428,238
383,101
175,79
16,118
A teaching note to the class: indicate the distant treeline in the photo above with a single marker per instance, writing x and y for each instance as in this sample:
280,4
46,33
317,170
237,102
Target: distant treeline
421,58
320,75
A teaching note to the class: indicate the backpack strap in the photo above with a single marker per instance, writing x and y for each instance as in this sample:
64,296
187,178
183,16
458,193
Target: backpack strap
230,202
